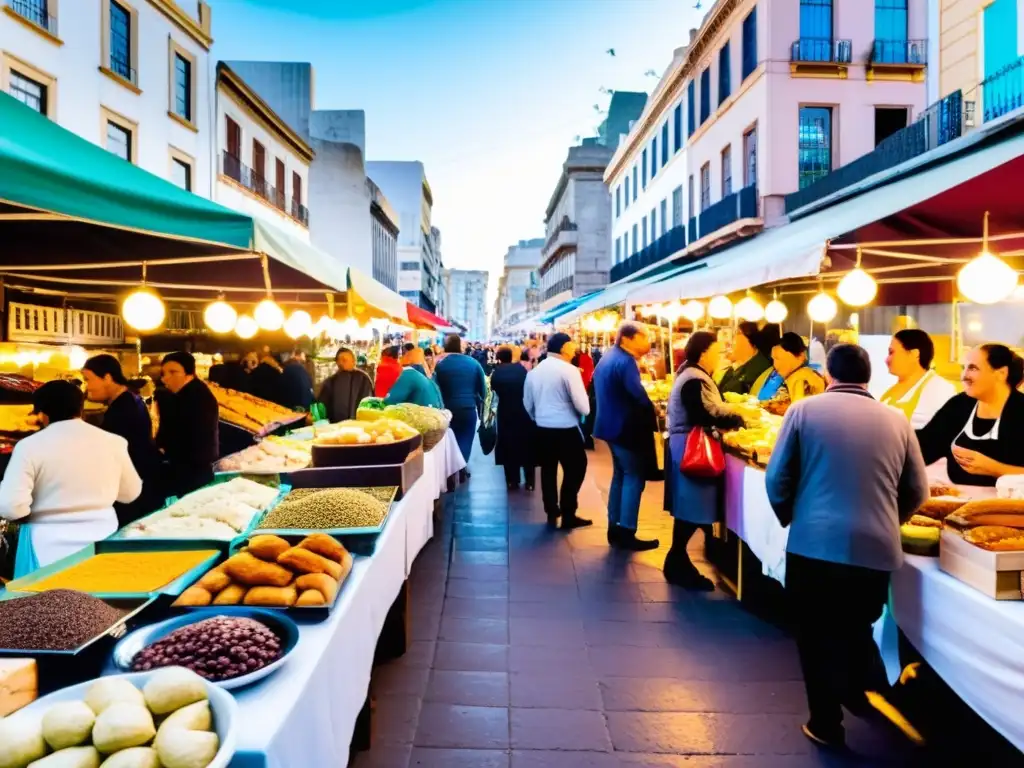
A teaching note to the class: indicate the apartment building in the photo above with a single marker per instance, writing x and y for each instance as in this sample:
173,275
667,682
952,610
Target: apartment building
133,77
385,237
467,293
576,255
750,111
519,286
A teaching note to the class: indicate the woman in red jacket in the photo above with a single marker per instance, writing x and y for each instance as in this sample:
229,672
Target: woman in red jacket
388,371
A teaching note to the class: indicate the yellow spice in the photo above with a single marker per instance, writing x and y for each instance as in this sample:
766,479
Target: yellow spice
127,572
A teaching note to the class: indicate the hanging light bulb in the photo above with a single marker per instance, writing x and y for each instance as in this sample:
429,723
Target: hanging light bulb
692,310
299,323
77,357
720,308
986,279
748,308
246,327
220,317
143,310
775,311
857,288
268,315
822,307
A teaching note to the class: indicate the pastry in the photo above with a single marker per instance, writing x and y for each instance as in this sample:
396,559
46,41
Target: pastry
1007,512
246,569
324,545
311,597
232,594
921,521
943,489
214,581
996,537
274,597
304,561
194,596
268,548
940,507
321,582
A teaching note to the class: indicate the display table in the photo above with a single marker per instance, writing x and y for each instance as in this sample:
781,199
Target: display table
750,516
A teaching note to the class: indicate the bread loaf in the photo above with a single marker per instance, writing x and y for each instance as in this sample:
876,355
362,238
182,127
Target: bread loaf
246,569
273,597
305,561
324,545
232,594
268,548
321,582
1007,512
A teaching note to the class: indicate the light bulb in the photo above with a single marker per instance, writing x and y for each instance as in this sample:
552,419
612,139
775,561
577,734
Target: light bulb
720,308
246,327
748,308
298,324
857,288
775,311
220,317
693,310
822,308
77,357
268,315
986,279
143,310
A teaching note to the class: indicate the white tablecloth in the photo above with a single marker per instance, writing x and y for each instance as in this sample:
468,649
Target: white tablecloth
305,714
750,516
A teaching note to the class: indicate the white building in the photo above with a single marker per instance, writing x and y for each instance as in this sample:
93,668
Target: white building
518,286
140,87
385,237
467,293
577,250
263,164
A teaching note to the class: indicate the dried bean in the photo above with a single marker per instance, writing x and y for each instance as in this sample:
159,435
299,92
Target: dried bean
56,620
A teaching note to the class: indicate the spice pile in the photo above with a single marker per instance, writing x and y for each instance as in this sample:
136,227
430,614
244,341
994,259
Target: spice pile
122,572
218,649
326,508
58,620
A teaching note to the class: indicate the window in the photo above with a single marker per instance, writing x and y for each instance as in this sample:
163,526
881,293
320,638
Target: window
259,168
296,189
664,144
889,120
643,228
643,170
705,187
182,91
279,182
724,75
627,191
625,245
119,140
121,41
999,46
233,135
654,157
410,266
636,239
677,207
618,200
654,225
618,249
705,95
890,31
664,215
814,145
181,174
677,126
690,197
816,21
635,186
750,157
691,109
749,43
727,171
28,92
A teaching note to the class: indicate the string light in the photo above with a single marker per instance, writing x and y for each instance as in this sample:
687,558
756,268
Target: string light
143,310
822,308
693,310
246,327
720,308
775,311
748,308
986,279
857,288
268,315
220,317
298,324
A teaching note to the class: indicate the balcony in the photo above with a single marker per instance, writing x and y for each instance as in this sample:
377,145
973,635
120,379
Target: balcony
898,60
1002,92
729,210
565,235
820,57
942,122
565,284
234,169
664,247
36,12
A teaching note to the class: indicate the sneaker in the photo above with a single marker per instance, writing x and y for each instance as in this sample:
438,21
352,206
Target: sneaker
627,540
826,739
893,717
570,522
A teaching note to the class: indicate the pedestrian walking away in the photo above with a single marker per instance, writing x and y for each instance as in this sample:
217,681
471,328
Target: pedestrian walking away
845,473
556,401
517,433
463,388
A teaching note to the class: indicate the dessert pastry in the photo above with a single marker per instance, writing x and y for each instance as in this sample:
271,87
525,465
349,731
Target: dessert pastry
997,538
324,545
268,548
304,561
246,569
276,597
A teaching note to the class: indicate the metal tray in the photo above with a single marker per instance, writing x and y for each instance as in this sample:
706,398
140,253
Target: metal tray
286,629
401,475
175,587
133,606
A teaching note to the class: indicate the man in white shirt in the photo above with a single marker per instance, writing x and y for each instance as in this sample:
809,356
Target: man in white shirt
62,482
556,400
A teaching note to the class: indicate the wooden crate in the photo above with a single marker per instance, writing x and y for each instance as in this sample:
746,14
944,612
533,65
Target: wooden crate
996,574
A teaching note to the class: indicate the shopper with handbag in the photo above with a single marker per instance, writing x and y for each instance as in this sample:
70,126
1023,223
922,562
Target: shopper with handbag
694,463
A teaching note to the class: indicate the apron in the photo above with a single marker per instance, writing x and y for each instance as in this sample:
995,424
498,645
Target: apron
908,406
771,386
25,561
41,544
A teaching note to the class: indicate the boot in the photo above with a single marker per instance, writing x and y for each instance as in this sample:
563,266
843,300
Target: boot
614,535
626,539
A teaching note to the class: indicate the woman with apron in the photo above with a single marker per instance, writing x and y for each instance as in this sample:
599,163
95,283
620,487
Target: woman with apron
979,431
919,392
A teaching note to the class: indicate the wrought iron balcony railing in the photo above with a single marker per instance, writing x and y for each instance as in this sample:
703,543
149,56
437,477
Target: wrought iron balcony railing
239,172
36,11
565,284
899,52
1002,92
821,50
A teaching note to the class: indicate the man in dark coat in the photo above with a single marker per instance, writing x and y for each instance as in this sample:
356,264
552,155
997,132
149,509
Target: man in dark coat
463,389
296,385
266,380
627,422
343,390
189,427
516,431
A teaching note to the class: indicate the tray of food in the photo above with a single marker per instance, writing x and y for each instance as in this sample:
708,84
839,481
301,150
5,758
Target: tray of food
298,572
61,622
356,516
982,545
121,574
270,456
210,517
259,417
170,717
232,647
364,443
402,475
431,423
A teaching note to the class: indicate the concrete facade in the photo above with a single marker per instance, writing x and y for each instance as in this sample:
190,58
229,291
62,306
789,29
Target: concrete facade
385,238
577,250
751,134
467,292
64,56
624,109
518,287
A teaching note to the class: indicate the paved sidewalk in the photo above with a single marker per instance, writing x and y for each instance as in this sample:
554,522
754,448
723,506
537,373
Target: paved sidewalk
536,649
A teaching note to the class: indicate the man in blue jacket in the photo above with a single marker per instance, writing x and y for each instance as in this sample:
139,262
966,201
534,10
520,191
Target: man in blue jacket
463,388
626,421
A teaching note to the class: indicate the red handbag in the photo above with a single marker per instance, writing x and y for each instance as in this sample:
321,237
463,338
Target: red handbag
703,456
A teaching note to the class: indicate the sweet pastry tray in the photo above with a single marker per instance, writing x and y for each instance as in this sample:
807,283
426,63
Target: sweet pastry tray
996,574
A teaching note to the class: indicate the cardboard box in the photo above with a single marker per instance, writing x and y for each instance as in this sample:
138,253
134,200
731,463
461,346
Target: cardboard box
996,574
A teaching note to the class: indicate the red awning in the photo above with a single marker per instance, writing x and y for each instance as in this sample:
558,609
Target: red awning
425,320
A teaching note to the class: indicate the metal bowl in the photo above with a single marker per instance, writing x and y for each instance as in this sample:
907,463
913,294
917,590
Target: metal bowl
282,625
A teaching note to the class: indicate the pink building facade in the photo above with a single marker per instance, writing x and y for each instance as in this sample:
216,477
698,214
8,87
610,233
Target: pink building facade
767,97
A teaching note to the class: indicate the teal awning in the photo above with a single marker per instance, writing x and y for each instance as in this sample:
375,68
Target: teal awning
564,307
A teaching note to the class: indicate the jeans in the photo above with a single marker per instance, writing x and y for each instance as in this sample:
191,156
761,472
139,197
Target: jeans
565,447
627,487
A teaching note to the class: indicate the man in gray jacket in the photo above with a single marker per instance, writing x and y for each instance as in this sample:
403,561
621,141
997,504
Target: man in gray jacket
845,473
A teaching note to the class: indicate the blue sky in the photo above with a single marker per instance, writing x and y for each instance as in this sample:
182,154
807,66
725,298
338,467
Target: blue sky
489,94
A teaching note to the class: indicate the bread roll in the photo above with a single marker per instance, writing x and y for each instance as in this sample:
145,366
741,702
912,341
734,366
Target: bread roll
246,569
267,547
306,561
214,581
311,598
324,545
232,594
940,507
194,596
274,597
321,582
